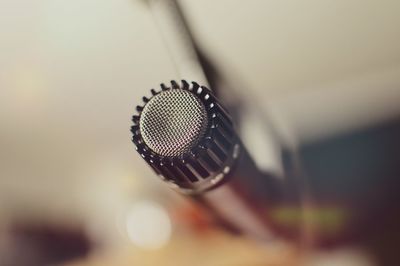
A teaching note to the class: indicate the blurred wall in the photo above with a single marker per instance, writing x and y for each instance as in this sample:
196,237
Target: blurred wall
72,71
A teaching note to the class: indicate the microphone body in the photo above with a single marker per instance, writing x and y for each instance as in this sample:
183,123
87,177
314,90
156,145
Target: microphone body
187,137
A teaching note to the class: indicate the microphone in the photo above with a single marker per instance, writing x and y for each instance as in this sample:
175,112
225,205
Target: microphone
188,138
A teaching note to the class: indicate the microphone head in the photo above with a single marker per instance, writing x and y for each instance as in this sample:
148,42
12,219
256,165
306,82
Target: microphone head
173,122
186,136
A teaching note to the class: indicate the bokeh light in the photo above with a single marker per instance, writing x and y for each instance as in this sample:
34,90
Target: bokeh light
148,225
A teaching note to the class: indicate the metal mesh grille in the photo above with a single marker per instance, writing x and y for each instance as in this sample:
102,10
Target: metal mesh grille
172,122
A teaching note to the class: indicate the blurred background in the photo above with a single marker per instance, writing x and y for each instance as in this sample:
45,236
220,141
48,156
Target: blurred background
73,189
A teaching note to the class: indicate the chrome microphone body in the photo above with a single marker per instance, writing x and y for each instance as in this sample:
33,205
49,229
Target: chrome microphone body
188,138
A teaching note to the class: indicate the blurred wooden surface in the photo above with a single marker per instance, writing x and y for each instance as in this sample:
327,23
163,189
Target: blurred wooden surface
216,249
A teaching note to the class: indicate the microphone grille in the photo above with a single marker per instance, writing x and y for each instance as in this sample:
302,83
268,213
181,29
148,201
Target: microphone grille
173,122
